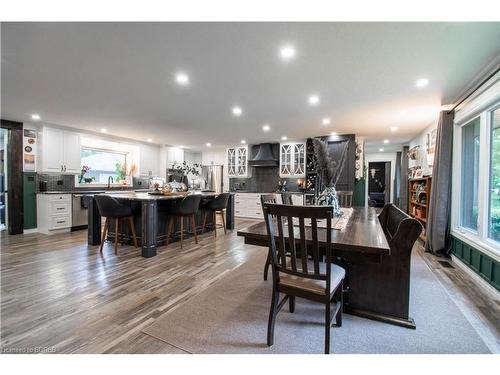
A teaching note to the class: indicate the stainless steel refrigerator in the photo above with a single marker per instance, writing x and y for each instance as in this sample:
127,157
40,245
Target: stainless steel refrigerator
212,177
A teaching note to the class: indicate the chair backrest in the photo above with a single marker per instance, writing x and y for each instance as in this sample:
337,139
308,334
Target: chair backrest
188,205
400,229
300,241
267,198
219,202
286,198
108,206
345,198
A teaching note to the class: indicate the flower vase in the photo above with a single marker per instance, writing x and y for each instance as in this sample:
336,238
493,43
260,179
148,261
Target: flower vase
328,197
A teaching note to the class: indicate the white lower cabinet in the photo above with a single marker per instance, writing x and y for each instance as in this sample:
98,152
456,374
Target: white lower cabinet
53,212
248,204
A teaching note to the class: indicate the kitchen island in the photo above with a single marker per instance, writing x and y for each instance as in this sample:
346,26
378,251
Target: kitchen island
151,214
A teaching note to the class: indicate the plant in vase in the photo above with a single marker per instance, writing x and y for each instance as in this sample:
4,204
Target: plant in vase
329,171
81,176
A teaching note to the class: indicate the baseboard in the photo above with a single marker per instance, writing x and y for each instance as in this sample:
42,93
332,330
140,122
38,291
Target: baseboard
28,231
477,279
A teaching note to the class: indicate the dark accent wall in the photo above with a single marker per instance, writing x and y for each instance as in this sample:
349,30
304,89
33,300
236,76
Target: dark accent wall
480,263
15,202
359,197
404,179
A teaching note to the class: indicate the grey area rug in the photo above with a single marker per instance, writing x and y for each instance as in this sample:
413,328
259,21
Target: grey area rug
231,317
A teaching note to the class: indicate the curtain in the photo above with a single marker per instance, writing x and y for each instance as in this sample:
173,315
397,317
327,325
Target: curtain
438,218
397,180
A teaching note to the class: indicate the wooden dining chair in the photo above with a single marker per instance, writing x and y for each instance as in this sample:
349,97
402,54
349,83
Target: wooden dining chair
297,276
345,198
267,198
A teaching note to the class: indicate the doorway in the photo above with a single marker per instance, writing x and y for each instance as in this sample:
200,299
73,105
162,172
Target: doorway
4,138
379,183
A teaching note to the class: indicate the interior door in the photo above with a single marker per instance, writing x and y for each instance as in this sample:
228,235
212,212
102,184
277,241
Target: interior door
53,144
72,153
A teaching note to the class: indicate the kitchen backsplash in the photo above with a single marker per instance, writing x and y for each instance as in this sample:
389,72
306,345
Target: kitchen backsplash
263,180
59,182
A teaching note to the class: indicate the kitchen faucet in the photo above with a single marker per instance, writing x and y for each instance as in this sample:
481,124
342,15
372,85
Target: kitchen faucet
110,178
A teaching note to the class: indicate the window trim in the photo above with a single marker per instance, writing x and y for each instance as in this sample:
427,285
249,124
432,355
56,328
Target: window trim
111,151
481,105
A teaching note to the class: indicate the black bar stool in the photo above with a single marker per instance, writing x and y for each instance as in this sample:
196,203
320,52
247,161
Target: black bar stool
188,206
111,208
215,205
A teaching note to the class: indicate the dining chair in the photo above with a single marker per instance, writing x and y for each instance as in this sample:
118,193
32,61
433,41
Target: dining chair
111,208
187,206
297,276
345,198
267,198
215,205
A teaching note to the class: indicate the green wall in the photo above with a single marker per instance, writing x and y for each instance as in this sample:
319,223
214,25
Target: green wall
482,264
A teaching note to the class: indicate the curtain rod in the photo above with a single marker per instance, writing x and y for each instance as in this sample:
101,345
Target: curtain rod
474,90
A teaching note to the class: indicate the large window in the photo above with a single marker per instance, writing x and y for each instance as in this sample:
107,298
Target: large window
470,177
494,191
103,164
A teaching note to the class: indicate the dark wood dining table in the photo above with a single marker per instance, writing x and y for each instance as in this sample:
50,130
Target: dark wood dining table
361,247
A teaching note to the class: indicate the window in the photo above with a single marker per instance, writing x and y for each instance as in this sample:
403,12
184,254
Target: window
103,164
494,191
470,174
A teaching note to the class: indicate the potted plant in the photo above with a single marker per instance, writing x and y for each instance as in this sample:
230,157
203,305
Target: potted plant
81,176
329,171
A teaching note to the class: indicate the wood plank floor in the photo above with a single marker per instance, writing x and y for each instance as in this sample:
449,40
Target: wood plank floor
58,292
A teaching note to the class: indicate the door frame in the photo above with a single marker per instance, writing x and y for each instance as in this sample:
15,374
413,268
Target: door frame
15,198
387,157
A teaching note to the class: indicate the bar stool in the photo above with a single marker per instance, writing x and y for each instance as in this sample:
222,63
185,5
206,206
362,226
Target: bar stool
215,205
188,206
111,208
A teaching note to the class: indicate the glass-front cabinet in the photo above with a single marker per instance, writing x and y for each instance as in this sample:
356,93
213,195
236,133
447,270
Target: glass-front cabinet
237,161
292,159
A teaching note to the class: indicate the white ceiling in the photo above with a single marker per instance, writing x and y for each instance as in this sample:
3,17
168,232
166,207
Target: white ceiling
120,76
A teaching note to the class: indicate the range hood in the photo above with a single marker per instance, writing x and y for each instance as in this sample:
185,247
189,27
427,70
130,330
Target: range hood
264,157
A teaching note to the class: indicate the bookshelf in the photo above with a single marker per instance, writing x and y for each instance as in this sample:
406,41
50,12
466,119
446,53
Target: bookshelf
419,194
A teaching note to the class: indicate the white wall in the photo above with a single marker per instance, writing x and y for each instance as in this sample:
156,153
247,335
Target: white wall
382,156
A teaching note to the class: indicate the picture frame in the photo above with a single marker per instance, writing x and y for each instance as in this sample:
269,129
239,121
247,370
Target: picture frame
419,173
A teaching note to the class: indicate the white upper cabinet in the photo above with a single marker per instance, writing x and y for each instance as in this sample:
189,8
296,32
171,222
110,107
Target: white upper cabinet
60,151
237,161
292,159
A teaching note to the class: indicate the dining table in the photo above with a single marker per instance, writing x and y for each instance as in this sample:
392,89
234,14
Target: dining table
362,248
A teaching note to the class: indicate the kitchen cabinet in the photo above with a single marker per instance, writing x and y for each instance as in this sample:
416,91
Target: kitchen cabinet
248,205
53,213
237,161
60,151
292,159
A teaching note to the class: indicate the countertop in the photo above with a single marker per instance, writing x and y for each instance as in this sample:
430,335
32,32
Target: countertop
83,192
143,196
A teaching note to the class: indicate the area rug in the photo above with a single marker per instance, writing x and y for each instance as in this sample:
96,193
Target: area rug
231,317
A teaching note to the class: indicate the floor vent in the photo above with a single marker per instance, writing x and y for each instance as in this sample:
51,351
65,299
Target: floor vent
445,264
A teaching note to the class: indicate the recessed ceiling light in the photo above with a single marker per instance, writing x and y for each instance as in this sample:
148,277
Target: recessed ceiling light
386,141
237,111
208,144
381,149
181,146
266,128
326,121
313,100
394,128
284,138
287,52
243,142
182,79
422,82
150,140
403,112
333,133
35,116
104,130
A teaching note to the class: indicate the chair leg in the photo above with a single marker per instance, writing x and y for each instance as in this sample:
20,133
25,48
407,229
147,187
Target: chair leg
169,228
204,221
182,229
266,267
117,221
338,318
214,218
104,233
193,223
327,327
223,221
132,228
291,303
272,317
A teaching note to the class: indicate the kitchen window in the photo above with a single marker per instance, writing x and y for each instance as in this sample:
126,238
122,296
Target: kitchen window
102,164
